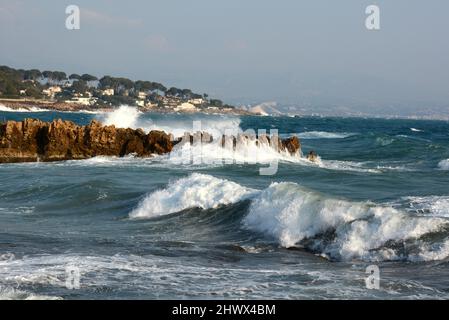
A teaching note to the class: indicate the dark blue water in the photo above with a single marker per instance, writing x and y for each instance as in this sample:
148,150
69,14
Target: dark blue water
165,228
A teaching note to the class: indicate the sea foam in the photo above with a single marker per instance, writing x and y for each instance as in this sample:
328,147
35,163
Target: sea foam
31,109
444,164
324,135
197,190
337,228
295,216
130,117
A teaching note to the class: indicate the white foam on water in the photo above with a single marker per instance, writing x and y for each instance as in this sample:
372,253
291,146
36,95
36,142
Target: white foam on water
437,206
247,151
431,252
324,135
339,165
8,293
216,126
195,191
123,117
444,164
131,117
292,214
30,109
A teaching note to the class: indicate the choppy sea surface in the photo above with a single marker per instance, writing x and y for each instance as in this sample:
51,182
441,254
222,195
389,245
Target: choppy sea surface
182,227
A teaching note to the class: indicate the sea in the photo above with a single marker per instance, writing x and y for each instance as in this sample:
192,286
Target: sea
368,220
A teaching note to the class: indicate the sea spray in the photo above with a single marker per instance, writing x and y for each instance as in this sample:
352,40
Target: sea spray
444,164
131,117
293,215
197,190
123,117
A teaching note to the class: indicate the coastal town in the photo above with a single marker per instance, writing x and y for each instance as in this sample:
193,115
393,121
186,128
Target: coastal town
58,91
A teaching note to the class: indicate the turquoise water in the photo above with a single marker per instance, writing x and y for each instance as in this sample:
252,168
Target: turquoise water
172,228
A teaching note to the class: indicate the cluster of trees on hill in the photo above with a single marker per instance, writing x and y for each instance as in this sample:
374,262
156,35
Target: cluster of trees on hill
31,83
13,81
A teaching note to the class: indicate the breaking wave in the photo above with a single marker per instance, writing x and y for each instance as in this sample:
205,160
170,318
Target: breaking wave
247,151
437,206
294,216
123,117
30,109
196,191
341,229
14,294
130,117
325,135
444,164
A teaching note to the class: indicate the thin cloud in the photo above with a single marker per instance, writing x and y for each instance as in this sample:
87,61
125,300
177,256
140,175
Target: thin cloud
106,19
9,11
157,42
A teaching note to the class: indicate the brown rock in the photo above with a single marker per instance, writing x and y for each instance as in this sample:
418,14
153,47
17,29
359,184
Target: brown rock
34,140
292,145
312,156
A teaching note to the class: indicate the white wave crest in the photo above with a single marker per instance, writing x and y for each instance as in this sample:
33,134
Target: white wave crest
246,151
360,230
131,117
30,109
335,228
194,191
123,117
14,294
324,135
437,206
444,164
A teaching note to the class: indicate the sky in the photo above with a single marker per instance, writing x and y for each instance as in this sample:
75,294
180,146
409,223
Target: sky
301,54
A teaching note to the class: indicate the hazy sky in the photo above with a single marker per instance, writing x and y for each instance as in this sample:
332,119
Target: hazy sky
290,51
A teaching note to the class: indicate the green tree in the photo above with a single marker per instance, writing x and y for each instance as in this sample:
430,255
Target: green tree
74,76
216,103
80,86
87,77
33,74
48,75
59,76
33,92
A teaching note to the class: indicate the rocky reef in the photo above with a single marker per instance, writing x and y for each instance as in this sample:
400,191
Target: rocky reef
291,145
33,140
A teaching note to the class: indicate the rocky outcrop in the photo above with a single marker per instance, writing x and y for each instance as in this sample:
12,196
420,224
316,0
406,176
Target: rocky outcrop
33,140
292,145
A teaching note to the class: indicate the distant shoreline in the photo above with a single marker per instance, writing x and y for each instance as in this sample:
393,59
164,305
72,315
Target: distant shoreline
30,104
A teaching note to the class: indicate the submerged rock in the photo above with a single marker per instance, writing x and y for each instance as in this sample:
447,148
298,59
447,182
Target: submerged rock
33,140
312,156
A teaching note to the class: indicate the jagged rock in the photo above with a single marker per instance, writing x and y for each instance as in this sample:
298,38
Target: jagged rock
195,138
33,140
292,145
312,156
158,142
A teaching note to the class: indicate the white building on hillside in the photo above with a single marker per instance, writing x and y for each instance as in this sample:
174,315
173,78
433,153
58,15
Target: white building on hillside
186,107
52,91
197,101
142,95
107,92
85,101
